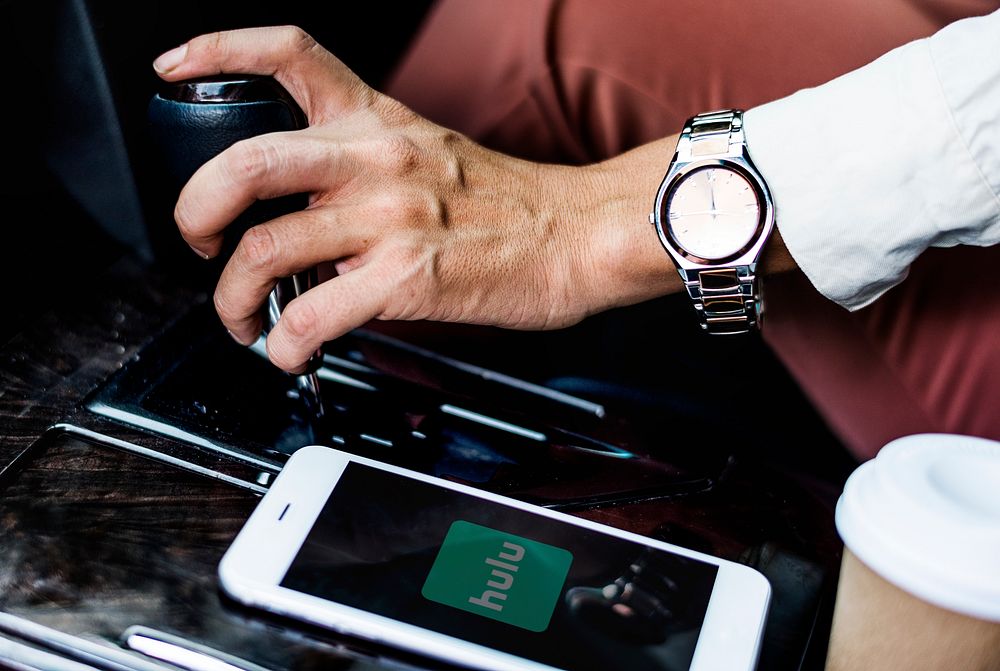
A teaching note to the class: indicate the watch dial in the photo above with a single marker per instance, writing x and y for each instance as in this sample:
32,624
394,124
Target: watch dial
713,213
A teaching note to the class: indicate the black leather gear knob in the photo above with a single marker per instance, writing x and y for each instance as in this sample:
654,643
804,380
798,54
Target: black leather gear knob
193,121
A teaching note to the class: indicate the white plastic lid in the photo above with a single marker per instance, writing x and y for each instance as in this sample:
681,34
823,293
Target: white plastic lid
925,515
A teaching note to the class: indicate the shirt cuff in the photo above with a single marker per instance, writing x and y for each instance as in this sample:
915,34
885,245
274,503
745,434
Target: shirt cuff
869,170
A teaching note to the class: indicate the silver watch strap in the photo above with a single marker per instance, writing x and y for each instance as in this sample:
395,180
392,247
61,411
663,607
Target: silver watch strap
727,299
711,134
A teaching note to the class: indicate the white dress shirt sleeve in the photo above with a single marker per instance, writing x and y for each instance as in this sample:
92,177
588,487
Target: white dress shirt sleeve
872,168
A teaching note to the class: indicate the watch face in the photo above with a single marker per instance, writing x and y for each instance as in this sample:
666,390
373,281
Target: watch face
713,213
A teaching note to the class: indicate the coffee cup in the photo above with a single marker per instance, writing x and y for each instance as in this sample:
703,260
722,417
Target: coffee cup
919,585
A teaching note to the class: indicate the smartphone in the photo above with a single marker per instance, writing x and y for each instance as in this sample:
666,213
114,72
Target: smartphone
484,581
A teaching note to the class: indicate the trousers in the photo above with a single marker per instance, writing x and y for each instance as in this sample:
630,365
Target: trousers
579,81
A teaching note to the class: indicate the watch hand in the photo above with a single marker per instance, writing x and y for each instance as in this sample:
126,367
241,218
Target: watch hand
713,212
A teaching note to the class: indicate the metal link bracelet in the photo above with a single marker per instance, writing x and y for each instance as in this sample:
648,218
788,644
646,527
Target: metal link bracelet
724,297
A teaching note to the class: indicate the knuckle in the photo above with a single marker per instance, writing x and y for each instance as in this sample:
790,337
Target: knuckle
297,40
422,209
413,211
259,248
410,259
407,258
450,138
403,154
182,217
389,205
209,44
282,354
223,307
249,161
301,320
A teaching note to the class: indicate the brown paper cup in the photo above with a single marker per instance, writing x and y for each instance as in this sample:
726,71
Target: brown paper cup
920,580
876,625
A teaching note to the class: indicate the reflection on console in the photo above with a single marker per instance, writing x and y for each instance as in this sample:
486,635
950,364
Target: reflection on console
391,402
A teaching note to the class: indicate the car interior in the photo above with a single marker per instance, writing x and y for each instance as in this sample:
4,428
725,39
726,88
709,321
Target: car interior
137,437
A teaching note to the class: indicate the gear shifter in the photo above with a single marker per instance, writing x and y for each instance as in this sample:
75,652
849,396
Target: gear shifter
194,120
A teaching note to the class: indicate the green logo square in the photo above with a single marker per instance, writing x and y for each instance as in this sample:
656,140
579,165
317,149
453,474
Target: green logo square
498,575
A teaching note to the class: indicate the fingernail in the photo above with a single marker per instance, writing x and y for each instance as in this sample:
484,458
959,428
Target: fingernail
236,338
198,252
170,60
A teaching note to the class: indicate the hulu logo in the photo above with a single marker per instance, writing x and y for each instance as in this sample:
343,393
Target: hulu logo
504,577
498,575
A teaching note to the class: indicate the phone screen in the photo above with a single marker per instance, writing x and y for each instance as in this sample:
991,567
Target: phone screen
501,577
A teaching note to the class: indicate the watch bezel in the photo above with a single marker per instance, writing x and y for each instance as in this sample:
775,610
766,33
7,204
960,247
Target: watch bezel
745,255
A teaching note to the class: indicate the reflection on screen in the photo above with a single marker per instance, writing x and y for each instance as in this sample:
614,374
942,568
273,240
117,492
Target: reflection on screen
500,577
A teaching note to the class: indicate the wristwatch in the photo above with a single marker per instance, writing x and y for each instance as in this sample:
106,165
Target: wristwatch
713,213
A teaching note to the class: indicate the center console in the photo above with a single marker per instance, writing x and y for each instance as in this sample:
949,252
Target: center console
163,433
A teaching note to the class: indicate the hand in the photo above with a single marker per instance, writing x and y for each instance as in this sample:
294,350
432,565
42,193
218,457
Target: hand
421,222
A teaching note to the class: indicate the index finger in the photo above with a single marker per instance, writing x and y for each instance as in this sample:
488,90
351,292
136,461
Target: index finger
258,168
318,80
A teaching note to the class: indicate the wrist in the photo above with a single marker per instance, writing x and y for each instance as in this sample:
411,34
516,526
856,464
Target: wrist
619,257
628,261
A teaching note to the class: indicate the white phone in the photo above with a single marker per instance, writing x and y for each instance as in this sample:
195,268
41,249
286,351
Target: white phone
474,578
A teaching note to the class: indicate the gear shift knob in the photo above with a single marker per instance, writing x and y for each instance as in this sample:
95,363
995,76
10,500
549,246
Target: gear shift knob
194,120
